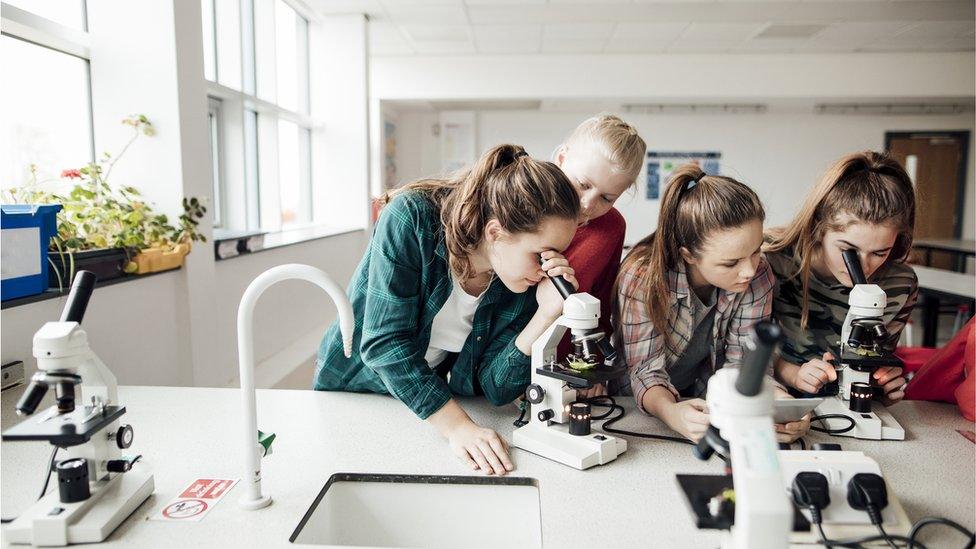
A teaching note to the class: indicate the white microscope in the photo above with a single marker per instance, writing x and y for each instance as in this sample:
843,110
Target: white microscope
98,486
850,405
740,406
559,427
755,502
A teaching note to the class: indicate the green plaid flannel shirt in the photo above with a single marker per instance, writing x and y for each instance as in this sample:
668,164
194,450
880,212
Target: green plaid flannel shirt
401,283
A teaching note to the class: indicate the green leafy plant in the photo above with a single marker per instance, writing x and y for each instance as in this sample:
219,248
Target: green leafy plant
95,215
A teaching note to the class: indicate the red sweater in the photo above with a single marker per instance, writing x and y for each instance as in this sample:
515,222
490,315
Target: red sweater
595,256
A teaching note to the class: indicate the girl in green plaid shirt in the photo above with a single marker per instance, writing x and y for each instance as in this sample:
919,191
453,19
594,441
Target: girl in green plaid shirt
451,294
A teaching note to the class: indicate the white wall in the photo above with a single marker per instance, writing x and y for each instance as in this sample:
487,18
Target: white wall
675,76
779,155
137,327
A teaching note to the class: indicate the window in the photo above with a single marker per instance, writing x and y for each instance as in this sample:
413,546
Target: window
214,120
46,76
256,59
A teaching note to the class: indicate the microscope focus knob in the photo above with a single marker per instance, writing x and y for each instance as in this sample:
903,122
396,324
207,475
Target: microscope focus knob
124,436
546,415
534,393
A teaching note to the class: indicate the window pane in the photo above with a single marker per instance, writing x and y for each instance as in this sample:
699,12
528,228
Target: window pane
228,17
286,54
50,124
251,167
293,203
215,165
209,40
70,13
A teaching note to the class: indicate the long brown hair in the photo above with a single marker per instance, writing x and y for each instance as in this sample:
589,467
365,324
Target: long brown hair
869,187
694,206
504,184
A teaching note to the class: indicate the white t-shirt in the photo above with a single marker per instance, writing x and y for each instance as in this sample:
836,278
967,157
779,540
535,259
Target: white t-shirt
452,324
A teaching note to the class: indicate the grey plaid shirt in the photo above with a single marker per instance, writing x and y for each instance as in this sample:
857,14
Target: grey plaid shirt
647,357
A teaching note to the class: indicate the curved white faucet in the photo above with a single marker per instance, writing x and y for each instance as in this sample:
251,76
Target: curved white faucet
253,451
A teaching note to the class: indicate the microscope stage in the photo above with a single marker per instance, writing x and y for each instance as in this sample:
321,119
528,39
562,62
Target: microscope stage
63,429
583,378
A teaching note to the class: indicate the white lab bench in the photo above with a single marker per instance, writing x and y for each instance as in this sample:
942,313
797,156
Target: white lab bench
186,433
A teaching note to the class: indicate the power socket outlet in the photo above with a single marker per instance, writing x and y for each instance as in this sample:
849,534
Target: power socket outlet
12,374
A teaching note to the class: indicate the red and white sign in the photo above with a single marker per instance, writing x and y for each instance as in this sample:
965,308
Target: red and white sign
208,488
196,500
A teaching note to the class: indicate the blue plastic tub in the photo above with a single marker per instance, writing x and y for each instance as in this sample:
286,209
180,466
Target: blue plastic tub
25,234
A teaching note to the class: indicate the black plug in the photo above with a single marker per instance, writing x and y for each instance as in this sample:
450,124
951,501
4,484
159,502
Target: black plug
810,491
867,492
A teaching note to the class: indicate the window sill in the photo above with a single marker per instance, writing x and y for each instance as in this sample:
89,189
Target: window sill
54,293
291,237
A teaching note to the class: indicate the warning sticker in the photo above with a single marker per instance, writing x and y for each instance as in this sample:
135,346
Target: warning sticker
196,500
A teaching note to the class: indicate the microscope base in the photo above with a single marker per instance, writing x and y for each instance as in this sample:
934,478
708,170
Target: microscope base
89,521
878,424
580,452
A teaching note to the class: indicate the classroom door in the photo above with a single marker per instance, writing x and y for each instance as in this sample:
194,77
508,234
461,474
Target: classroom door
935,161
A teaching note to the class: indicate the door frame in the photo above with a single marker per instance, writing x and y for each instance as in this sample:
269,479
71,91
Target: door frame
963,137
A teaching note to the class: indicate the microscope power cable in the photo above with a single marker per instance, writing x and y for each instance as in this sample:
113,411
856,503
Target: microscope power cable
829,431
47,480
612,406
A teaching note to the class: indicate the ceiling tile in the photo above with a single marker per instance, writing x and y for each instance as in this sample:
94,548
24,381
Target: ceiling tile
853,35
426,14
719,32
373,8
438,33
573,31
937,30
702,46
648,31
386,39
507,38
582,45
633,45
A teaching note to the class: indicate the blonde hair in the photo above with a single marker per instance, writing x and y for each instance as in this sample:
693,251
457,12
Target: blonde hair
615,139
504,184
693,207
869,187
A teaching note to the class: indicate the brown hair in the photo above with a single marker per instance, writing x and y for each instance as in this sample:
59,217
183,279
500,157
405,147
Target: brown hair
694,206
504,184
869,187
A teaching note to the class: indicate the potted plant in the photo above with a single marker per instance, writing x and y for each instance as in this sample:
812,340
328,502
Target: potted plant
110,231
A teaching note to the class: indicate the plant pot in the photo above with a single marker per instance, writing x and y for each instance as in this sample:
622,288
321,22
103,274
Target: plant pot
153,260
106,263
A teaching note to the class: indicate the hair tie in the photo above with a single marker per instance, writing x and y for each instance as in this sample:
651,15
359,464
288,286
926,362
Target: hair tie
518,155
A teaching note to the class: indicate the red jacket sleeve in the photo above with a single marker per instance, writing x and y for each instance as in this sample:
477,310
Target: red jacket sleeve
595,256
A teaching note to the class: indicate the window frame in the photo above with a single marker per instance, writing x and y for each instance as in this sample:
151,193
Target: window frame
20,24
257,137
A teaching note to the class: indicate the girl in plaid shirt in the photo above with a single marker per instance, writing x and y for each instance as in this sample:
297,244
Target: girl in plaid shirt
689,296
451,294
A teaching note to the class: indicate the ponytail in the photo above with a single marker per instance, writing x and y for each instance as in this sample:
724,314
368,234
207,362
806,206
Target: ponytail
504,184
694,206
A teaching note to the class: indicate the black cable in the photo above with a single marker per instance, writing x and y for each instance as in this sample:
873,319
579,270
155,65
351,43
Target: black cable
887,538
47,480
857,543
926,521
832,431
607,426
50,469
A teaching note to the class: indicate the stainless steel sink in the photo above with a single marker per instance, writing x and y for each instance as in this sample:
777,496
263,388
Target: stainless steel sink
372,510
